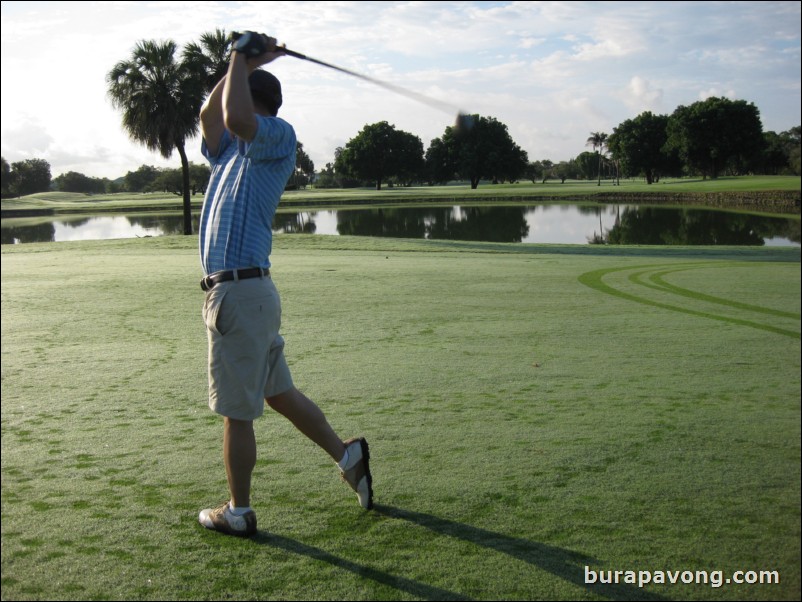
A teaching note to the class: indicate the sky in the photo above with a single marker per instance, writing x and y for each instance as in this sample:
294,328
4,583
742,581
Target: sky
552,72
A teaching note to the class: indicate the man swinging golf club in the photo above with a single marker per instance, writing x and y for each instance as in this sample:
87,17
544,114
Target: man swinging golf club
252,154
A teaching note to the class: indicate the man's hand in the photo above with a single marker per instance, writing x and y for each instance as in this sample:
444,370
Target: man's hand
240,114
238,111
271,54
258,48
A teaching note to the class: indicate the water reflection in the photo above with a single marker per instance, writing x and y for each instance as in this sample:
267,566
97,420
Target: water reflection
45,232
565,224
93,228
494,224
656,226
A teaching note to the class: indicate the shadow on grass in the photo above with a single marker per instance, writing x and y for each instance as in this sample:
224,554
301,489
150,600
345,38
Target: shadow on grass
565,564
410,586
562,563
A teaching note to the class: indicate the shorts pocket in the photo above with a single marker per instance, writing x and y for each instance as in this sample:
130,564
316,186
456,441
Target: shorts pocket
213,313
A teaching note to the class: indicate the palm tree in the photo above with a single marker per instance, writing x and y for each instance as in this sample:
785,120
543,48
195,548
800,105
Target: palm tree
209,58
160,97
597,141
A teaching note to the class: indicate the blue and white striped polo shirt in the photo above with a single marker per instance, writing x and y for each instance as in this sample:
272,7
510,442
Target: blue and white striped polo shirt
243,193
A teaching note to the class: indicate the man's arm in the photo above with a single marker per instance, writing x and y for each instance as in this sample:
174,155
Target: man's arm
211,118
230,105
239,114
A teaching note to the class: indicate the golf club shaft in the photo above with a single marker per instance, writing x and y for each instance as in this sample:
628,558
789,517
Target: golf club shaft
432,102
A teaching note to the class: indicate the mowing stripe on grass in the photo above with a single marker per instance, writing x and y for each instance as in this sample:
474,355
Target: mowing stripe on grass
657,278
595,280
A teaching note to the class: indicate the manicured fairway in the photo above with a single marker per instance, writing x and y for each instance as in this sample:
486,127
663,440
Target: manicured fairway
534,413
66,203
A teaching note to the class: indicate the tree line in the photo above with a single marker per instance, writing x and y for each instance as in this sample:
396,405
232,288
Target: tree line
159,92
33,175
381,153
708,138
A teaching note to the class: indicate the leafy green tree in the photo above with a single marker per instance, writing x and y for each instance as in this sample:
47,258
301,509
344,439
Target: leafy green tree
586,165
774,159
716,134
72,181
441,164
411,165
484,151
304,169
546,168
160,96
539,170
172,180
565,170
597,140
168,180
199,175
379,152
5,179
791,142
638,143
141,179
326,177
30,176
532,171
303,163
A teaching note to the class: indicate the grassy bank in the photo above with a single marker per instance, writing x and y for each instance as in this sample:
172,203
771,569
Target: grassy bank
532,410
773,193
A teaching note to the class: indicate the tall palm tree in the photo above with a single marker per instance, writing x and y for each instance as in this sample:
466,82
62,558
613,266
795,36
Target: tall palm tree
160,97
209,58
597,141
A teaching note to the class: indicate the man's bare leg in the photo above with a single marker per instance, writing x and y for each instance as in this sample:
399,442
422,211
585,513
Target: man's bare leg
239,454
309,419
351,456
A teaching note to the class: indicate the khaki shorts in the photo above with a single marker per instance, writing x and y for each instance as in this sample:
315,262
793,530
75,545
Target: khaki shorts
246,352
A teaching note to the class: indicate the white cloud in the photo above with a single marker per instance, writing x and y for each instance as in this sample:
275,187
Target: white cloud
24,137
529,42
608,48
711,92
640,96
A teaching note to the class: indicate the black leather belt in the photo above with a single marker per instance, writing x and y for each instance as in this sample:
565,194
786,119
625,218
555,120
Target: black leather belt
208,282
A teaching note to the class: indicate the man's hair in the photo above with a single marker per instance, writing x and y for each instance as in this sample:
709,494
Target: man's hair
266,90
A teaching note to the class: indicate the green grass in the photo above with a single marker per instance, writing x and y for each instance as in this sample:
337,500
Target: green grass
62,202
531,409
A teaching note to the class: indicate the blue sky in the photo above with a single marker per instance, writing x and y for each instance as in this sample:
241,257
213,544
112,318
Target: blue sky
553,72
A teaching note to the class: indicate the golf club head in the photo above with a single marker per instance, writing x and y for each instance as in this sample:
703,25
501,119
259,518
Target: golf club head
464,123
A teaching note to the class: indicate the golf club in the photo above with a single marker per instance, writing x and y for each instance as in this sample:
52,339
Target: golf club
254,44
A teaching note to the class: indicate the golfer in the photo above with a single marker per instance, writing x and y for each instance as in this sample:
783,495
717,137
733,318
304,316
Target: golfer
252,154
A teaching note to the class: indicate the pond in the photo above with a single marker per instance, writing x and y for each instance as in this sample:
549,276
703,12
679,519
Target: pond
557,224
